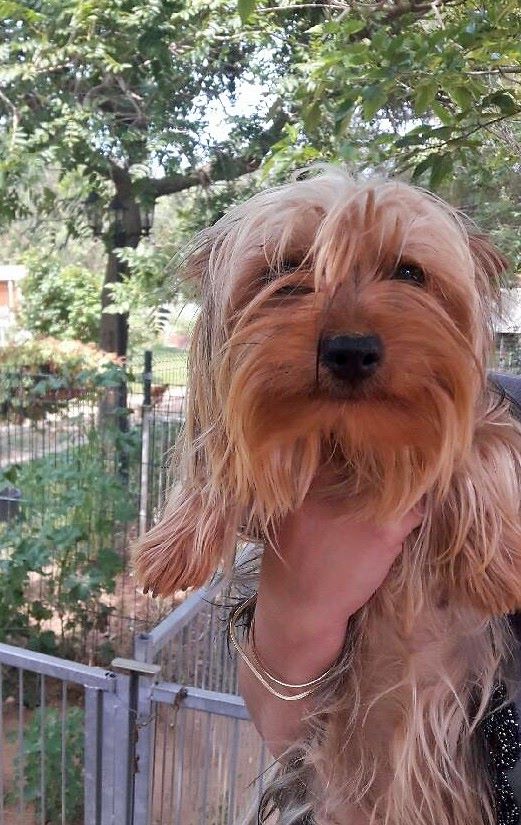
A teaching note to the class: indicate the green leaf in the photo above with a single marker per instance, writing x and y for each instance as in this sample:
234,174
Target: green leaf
424,95
442,113
414,137
504,101
374,97
422,166
312,116
441,168
352,25
461,96
246,9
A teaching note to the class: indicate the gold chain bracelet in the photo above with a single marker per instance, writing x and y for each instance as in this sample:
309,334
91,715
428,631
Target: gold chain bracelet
255,665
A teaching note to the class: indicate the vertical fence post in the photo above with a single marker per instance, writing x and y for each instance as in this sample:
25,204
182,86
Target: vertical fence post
139,738
93,755
145,443
123,428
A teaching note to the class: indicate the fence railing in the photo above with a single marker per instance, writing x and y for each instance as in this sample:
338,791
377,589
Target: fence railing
59,721
161,738
214,769
139,744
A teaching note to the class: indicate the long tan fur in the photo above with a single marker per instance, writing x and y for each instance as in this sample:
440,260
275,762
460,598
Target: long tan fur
394,739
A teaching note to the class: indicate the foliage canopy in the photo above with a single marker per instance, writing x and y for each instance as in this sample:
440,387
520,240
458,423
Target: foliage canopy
417,87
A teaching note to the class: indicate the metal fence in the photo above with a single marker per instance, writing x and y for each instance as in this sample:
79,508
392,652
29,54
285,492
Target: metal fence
96,481
208,763
133,745
161,738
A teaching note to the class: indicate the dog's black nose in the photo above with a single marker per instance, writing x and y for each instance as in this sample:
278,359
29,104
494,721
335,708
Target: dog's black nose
351,357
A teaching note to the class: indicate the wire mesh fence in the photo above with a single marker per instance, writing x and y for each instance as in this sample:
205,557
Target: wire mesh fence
82,472
80,476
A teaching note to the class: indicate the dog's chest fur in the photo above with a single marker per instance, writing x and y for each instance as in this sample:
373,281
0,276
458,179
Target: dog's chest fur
409,729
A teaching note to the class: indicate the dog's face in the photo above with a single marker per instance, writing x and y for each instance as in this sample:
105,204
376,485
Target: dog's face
344,336
344,322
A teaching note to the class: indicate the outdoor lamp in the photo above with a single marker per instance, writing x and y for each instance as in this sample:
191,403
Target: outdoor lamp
146,216
94,213
117,208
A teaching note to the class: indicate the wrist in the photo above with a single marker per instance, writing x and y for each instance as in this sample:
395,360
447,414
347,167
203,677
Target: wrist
302,615
294,643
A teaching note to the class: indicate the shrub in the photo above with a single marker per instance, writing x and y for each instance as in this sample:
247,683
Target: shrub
41,375
58,557
48,742
62,300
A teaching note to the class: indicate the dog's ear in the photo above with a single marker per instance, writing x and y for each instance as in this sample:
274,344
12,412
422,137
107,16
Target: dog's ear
490,263
188,544
198,528
475,533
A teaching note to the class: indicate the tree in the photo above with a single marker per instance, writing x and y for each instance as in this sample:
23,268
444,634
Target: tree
114,97
428,91
418,87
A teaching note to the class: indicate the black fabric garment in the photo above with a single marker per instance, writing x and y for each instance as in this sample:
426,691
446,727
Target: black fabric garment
509,387
502,729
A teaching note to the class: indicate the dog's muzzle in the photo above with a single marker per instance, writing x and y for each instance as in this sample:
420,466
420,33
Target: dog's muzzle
351,358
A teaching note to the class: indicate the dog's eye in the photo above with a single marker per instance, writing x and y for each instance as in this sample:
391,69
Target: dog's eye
295,289
410,273
286,267
282,268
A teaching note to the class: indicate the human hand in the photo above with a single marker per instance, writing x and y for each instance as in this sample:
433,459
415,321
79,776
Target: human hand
324,560
323,567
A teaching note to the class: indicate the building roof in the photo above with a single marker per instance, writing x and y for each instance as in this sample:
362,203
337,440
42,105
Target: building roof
12,272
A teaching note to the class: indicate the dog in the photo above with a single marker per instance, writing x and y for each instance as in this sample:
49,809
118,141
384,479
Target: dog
347,324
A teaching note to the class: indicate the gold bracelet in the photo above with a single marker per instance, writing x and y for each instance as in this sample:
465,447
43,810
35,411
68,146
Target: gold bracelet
313,685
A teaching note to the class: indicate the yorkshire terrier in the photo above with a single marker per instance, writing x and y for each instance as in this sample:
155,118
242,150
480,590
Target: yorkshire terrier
348,324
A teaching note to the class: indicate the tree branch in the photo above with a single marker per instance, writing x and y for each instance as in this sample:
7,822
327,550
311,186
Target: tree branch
224,167
298,6
231,169
390,14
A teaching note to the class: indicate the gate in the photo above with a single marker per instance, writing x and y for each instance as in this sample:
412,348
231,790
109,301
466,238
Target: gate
161,739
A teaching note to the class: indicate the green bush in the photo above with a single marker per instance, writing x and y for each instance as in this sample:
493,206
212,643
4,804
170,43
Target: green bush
42,375
62,300
49,745
61,547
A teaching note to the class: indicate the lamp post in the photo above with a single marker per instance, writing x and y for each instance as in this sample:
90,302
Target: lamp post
122,222
146,216
94,212
117,211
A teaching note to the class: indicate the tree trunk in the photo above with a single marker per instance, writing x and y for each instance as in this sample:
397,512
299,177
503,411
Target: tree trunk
114,327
